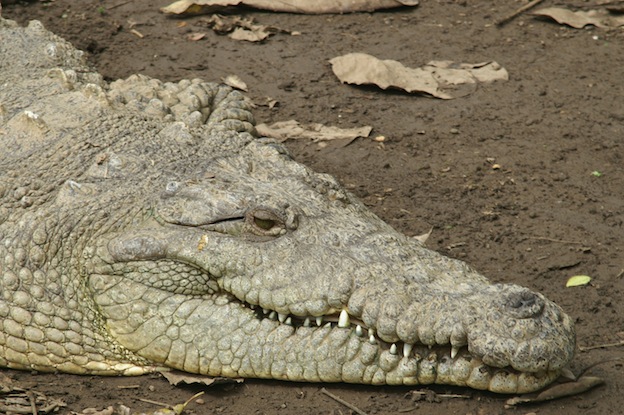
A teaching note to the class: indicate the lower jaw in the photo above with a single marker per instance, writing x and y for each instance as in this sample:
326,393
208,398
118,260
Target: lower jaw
434,366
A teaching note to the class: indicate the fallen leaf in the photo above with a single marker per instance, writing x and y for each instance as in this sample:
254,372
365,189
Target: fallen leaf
240,28
235,82
196,36
289,6
423,238
284,130
578,280
176,377
579,19
249,35
440,79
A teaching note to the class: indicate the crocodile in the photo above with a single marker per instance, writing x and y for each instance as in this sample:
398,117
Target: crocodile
144,226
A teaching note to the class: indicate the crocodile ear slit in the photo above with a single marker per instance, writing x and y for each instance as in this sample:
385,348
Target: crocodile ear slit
137,248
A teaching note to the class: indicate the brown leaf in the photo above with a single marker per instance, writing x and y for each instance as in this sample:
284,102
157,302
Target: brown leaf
196,36
284,130
289,6
255,35
176,377
240,28
235,82
579,19
440,79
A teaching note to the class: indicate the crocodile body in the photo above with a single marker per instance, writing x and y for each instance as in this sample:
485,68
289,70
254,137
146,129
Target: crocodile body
144,227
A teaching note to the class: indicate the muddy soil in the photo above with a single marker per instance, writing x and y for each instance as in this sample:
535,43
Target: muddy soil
524,179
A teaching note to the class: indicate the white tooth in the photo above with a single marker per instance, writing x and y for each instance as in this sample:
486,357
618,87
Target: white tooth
454,351
393,349
328,325
306,322
288,321
273,315
343,320
372,339
358,331
319,321
252,306
281,317
407,349
265,310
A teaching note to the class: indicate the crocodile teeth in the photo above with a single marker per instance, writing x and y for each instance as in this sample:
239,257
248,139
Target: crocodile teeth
265,311
288,321
358,331
343,320
319,321
454,351
407,349
372,339
306,322
273,315
393,349
328,325
281,317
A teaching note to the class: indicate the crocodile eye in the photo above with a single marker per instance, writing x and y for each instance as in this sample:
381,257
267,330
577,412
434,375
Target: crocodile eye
265,222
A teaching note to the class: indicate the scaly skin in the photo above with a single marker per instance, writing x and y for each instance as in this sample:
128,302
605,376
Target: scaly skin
144,227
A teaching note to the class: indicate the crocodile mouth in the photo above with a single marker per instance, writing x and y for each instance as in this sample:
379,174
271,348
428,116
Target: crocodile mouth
433,364
433,359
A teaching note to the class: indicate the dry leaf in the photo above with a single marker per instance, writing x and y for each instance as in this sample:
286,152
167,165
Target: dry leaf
579,19
423,238
283,130
289,6
196,36
255,35
176,377
440,79
240,28
235,82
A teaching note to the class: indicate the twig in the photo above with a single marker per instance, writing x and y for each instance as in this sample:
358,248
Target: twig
518,12
561,241
442,395
123,3
164,405
137,33
345,403
600,346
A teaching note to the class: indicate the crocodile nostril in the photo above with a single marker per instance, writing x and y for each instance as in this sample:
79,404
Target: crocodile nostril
524,303
524,299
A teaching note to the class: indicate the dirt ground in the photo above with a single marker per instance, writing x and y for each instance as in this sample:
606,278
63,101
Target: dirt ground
551,208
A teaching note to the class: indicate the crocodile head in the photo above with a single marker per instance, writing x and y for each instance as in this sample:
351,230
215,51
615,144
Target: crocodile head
255,266
142,226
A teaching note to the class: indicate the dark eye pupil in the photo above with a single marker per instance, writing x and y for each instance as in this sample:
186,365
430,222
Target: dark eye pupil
265,224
